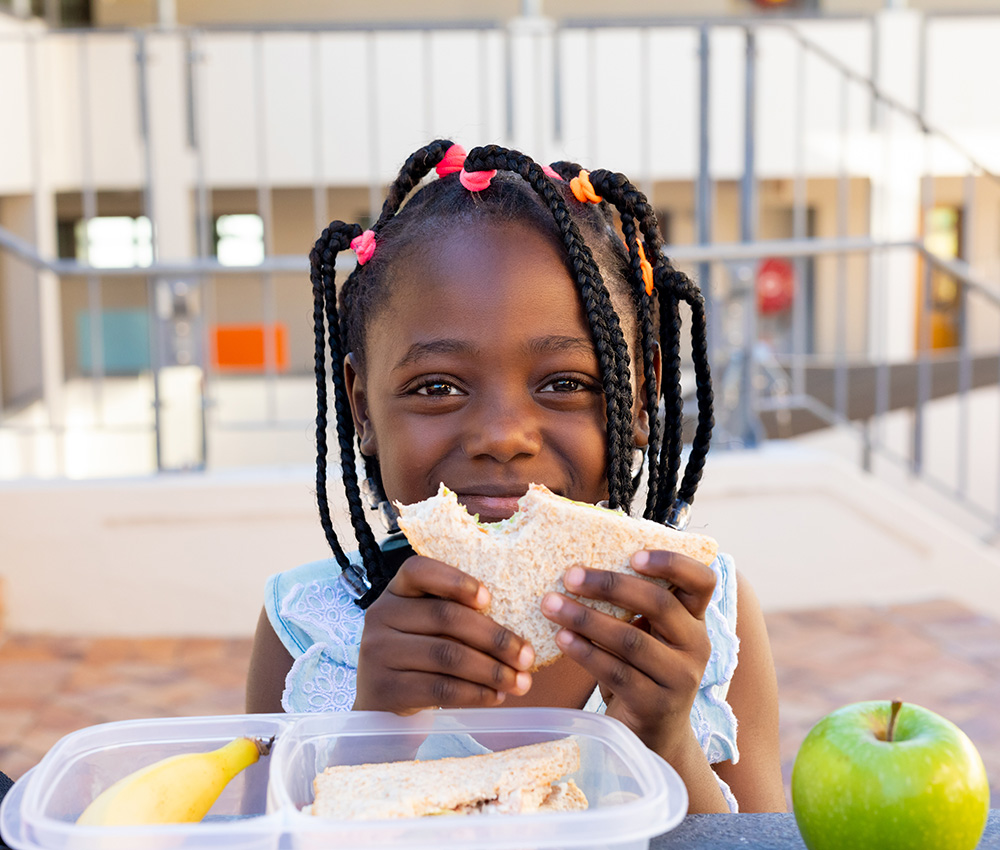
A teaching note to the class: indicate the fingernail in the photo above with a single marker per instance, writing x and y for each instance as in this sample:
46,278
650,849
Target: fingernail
552,603
564,637
501,696
574,576
640,559
523,682
525,657
482,597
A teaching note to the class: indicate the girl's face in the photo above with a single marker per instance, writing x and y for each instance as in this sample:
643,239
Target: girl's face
480,373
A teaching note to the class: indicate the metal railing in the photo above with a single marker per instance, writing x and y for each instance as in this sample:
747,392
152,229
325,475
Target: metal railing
763,389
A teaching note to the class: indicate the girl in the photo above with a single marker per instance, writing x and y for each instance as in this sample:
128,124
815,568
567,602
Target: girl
483,342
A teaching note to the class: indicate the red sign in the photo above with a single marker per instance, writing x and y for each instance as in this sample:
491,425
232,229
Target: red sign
775,285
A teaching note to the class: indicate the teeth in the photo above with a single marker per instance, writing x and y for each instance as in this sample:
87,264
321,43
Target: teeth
177,789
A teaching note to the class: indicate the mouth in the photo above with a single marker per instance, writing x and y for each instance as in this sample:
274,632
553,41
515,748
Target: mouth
491,503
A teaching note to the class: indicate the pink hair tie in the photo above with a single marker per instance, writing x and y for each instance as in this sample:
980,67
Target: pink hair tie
364,246
551,172
476,181
452,161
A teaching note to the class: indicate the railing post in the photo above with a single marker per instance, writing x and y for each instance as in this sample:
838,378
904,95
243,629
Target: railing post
749,428
703,195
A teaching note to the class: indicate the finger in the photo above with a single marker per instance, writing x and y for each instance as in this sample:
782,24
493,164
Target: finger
613,672
635,594
453,660
420,576
693,582
433,616
425,689
637,648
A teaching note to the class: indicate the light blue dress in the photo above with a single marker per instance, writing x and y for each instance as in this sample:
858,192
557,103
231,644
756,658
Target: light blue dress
314,615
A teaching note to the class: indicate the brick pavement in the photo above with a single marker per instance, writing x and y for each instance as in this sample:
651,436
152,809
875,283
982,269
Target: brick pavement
938,654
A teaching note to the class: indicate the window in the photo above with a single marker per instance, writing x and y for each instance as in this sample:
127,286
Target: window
239,240
61,13
114,241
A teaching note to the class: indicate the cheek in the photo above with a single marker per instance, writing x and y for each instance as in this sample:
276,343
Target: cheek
408,451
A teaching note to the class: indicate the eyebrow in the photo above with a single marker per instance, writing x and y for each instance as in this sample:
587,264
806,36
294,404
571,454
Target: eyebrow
419,350
539,345
555,342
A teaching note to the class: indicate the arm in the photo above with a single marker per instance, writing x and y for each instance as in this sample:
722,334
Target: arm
753,695
649,677
269,665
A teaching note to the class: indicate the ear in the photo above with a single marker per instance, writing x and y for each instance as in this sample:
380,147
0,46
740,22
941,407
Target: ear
640,417
357,392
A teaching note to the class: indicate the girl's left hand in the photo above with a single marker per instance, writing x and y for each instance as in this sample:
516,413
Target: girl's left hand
649,670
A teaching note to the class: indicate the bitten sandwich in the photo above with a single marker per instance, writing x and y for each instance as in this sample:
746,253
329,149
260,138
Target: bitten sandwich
521,780
523,557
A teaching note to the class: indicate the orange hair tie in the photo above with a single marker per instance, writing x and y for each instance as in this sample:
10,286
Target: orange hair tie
647,269
582,189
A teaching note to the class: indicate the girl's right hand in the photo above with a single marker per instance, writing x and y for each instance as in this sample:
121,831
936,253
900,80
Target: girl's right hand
427,643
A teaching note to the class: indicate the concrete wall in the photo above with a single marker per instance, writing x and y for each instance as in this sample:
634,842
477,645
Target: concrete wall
189,554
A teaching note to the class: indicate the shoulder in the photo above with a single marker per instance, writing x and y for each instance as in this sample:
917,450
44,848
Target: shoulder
305,603
279,584
312,604
721,619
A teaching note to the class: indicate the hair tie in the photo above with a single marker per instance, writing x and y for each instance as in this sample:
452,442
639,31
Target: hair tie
551,172
647,269
476,181
364,246
452,161
582,188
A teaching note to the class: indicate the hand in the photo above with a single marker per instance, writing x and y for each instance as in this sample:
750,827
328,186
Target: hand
426,643
649,671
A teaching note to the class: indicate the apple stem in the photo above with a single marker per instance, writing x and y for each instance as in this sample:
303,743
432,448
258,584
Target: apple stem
893,714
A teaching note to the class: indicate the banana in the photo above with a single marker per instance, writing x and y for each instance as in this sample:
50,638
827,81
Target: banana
177,789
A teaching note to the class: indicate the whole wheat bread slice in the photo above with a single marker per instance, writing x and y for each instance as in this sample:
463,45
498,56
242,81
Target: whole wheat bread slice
508,781
522,558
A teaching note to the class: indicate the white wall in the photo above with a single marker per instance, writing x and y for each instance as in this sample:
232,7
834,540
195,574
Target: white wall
188,555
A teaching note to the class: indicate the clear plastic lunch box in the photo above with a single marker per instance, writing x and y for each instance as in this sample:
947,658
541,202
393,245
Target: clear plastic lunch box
633,794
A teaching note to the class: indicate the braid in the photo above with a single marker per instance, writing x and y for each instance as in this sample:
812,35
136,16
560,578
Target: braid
630,202
673,401
566,170
610,343
335,238
410,174
416,167
689,292
672,287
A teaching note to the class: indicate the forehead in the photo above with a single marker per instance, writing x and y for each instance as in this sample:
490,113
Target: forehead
479,279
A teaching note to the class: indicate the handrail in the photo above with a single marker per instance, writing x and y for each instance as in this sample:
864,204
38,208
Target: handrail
714,252
879,94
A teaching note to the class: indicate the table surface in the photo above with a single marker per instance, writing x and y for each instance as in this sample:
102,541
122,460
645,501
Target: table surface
763,832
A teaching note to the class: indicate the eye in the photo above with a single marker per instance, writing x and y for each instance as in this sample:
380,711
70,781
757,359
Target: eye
565,385
437,389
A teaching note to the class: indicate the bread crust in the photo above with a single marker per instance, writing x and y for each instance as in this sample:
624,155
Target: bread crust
524,557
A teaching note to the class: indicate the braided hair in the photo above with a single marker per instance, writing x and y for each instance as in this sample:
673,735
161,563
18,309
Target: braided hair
561,202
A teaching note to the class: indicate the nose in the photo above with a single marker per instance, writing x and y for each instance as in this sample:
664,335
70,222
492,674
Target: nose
503,428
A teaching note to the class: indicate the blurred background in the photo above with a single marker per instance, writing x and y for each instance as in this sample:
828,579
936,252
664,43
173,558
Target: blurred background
828,171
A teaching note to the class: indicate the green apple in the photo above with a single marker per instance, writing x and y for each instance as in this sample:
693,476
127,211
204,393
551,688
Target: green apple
880,775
